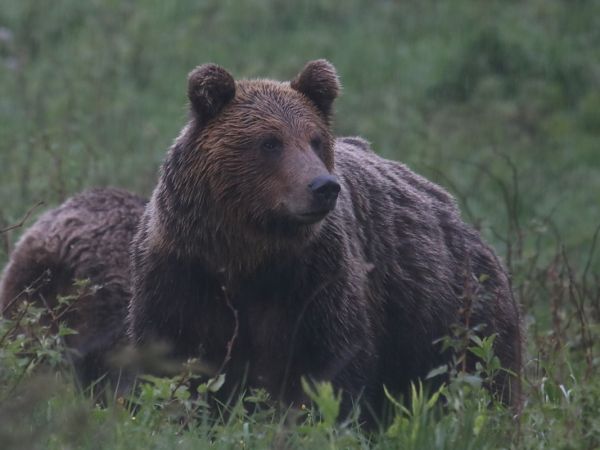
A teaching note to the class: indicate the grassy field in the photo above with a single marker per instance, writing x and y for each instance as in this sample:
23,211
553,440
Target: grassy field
498,101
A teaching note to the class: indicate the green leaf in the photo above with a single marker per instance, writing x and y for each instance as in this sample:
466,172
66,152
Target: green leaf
326,400
437,372
66,331
214,384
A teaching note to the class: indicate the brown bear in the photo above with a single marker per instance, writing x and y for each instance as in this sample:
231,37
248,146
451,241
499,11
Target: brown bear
86,238
277,251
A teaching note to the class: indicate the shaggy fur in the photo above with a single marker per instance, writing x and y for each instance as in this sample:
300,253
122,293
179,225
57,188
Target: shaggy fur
358,297
87,237
357,294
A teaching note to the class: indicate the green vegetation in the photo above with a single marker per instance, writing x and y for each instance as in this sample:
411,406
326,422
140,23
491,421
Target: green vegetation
498,101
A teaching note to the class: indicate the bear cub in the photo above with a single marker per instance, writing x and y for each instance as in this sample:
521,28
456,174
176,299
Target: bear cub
84,239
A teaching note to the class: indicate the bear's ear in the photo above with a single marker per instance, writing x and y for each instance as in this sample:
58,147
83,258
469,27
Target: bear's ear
210,88
319,82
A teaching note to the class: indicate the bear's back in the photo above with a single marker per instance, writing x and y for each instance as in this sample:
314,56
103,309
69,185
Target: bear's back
422,258
402,215
356,158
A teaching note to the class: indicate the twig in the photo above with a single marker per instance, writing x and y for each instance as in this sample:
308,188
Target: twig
589,260
469,294
464,199
27,290
16,325
23,220
234,336
578,299
515,197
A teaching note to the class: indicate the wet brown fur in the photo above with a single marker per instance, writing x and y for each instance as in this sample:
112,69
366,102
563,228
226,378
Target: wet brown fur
86,238
223,170
357,298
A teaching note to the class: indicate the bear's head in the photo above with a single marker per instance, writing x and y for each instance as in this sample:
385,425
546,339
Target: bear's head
252,172
262,150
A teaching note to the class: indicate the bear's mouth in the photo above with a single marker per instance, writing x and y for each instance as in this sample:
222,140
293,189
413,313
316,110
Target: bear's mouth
312,216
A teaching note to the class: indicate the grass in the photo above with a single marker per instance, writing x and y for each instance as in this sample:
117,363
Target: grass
497,101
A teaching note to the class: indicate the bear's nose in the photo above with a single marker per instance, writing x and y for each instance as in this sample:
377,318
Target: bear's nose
325,188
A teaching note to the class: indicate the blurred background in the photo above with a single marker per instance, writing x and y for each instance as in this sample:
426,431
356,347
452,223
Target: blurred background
498,101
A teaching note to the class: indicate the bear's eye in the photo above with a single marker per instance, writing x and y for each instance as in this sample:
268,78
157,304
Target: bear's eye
271,145
317,144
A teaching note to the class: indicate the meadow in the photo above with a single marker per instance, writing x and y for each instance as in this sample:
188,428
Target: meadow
497,101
